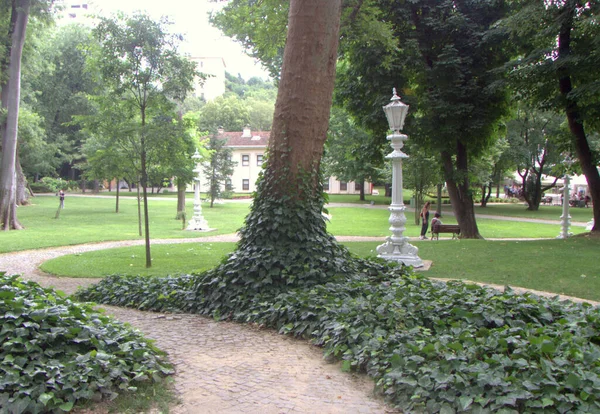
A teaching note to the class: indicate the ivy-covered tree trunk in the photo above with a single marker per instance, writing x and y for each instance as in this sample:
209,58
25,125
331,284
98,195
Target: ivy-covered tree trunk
457,182
8,176
284,242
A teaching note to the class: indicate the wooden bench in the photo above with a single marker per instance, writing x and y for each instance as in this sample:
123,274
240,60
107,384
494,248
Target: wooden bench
445,228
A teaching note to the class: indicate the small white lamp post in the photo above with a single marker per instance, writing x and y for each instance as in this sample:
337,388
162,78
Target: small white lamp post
396,247
565,219
197,222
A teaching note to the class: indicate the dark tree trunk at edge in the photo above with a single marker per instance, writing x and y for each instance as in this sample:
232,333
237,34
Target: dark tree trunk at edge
576,127
460,196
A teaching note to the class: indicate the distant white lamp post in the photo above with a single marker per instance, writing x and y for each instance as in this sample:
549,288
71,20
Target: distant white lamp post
565,219
396,247
197,222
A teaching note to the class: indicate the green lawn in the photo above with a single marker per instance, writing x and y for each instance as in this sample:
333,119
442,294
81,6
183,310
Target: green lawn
568,267
360,221
545,212
167,259
561,266
89,219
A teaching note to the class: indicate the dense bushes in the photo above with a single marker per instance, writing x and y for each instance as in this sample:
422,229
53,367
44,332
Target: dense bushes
54,352
431,347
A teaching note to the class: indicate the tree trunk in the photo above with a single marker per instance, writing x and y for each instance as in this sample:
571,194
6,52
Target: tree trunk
139,206
304,97
284,242
439,199
8,187
582,147
181,187
460,195
144,184
362,190
117,197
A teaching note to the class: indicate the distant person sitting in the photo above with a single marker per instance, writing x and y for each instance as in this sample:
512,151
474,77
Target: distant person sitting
435,224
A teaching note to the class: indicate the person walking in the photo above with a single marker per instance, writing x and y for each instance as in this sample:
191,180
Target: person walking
424,220
61,194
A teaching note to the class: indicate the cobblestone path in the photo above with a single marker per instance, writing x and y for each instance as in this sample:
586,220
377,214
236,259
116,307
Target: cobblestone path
225,367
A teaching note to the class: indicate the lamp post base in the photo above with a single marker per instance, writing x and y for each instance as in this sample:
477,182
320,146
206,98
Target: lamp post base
400,252
198,225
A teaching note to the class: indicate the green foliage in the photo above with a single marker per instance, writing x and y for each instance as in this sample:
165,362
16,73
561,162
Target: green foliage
219,170
55,353
430,347
350,153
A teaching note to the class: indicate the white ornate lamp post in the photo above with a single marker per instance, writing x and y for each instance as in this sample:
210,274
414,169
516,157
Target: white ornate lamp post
565,219
197,222
396,247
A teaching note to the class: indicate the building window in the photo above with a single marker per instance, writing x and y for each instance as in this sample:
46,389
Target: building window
245,184
245,160
343,186
326,185
259,159
228,184
357,186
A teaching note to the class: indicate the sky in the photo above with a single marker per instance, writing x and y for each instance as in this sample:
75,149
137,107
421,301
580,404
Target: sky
190,18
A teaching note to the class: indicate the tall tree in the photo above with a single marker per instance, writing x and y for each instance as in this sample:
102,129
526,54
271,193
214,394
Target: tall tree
284,240
61,84
11,94
532,138
446,55
139,61
558,70
351,155
219,169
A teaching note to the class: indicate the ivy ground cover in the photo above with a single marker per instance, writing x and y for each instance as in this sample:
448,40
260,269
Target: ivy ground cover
55,352
430,347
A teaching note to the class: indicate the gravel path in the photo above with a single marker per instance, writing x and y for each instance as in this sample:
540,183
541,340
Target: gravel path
225,367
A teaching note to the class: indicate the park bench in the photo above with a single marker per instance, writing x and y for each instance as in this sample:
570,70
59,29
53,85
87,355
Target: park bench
445,228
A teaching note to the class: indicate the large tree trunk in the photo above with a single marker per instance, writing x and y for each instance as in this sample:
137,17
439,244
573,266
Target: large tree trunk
460,194
8,187
305,93
284,242
582,147
181,186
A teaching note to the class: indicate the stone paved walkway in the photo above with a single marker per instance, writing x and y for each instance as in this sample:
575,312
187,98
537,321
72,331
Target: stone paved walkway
225,367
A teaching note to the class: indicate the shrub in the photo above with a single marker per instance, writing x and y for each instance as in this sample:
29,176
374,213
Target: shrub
41,187
55,352
430,346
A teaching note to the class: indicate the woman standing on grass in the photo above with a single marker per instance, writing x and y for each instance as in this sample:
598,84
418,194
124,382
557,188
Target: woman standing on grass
425,220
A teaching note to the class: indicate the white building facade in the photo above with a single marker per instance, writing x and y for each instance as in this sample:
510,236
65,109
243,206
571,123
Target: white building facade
248,151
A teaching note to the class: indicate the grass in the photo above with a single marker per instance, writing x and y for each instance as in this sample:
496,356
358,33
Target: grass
167,259
88,219
566,267
545,212
360,221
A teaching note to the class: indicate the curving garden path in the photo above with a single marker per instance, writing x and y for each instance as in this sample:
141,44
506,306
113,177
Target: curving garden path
223,367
